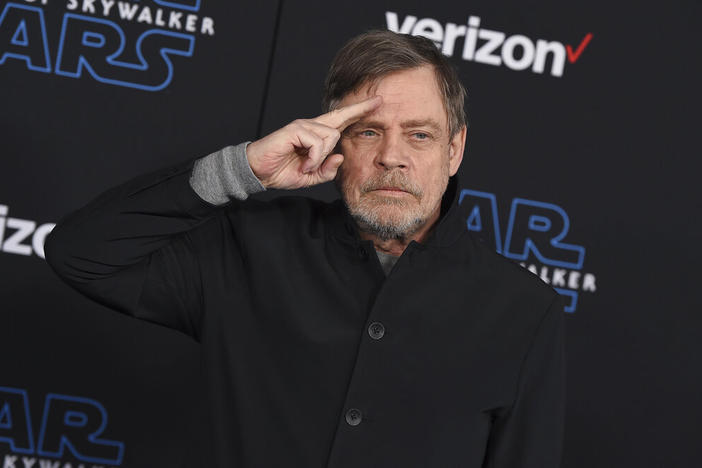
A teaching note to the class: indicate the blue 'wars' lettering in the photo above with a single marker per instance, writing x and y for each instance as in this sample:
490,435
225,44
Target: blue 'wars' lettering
69,424
92,45
534,229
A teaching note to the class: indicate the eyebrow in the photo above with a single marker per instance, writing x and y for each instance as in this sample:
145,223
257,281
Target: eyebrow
430,123
367,123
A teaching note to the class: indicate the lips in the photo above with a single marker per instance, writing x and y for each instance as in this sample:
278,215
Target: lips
393,184
391,189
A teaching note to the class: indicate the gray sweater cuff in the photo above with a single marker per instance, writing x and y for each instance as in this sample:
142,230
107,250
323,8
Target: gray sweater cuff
225,175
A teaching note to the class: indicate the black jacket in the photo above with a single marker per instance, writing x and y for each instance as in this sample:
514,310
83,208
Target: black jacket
313,356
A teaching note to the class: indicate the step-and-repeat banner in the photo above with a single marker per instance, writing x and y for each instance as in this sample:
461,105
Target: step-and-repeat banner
581,165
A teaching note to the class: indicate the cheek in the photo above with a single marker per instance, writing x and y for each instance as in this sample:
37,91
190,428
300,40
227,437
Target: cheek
351,178
355,162
434,176
352,151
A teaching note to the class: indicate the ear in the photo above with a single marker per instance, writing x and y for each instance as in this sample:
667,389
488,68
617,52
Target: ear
456,147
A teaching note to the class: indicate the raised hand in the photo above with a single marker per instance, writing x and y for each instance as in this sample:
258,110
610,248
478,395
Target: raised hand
297,155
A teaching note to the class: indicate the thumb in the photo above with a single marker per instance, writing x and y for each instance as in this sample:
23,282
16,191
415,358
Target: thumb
330,166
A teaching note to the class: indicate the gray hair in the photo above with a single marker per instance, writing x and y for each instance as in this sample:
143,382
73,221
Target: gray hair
370,56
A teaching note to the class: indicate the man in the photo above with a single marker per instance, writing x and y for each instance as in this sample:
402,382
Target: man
369,332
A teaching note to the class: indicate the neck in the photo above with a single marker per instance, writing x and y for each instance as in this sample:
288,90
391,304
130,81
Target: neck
398,245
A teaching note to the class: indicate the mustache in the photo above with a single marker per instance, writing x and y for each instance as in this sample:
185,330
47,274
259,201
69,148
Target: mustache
394,179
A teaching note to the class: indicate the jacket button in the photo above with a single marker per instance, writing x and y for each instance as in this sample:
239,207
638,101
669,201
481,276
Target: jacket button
353,417
362,254
376,330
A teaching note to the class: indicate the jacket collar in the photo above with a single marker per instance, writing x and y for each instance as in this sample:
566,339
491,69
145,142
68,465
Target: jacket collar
446,231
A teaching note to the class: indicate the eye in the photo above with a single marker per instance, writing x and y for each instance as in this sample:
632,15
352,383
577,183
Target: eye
367,133
420,135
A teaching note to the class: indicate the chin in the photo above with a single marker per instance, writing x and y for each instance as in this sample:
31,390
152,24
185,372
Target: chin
394,215
388,221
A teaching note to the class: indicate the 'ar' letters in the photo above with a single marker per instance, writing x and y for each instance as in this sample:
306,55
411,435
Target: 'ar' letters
69,423
98,46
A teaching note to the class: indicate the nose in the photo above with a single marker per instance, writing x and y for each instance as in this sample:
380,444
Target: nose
391,154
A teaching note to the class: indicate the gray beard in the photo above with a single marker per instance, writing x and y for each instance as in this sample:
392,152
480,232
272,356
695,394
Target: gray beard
369,223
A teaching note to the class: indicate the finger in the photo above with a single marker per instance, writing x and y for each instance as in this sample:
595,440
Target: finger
315,149
344,116
329,135
330,166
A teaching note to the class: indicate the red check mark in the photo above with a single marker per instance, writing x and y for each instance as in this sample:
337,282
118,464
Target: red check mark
573,56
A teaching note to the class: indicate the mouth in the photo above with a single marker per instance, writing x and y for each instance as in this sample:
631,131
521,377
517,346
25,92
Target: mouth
390,190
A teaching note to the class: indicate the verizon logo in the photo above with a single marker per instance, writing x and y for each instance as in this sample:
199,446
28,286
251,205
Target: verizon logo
22,236
481,45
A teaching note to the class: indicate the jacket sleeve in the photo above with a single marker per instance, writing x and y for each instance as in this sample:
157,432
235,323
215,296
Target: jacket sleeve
529,433
130,249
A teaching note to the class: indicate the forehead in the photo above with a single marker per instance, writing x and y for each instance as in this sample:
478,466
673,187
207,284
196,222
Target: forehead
408,95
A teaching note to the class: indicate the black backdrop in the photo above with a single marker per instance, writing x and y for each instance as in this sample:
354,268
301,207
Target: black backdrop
584,169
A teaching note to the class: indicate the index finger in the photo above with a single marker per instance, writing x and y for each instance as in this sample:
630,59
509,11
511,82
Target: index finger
344,116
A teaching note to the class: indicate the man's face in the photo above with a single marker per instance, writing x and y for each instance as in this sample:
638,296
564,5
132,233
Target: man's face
397,160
